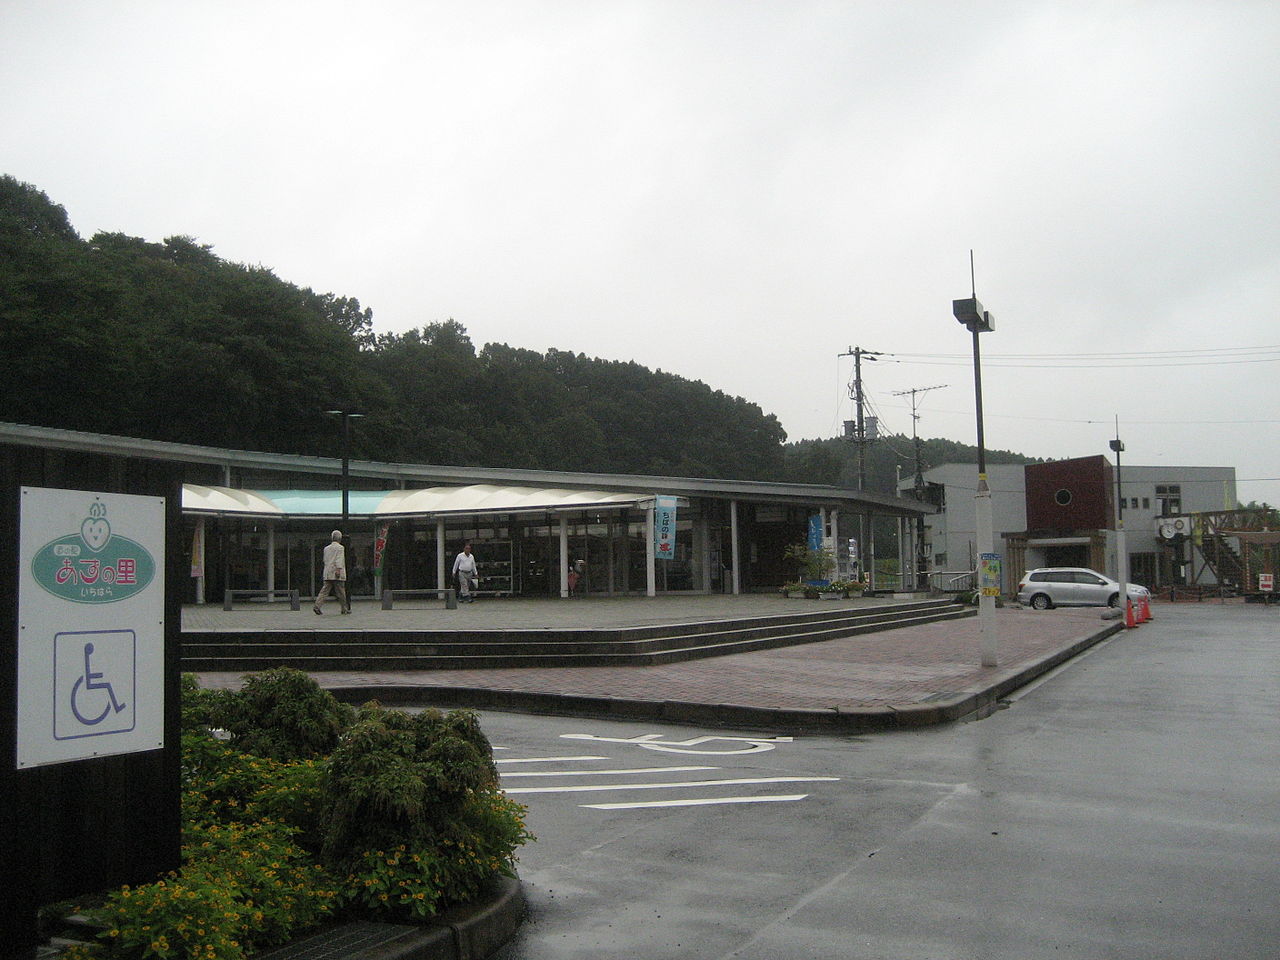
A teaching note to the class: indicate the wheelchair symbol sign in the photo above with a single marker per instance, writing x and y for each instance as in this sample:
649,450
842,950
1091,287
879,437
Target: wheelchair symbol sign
94,682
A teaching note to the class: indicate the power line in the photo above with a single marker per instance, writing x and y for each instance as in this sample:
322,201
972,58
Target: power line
1150,423
1208,357
1125,354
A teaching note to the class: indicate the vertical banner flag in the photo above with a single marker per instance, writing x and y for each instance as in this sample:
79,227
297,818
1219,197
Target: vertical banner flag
379,547
664,527
815,532
197,550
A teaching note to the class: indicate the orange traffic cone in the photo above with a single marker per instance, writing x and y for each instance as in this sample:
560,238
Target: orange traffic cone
1146,609
1129,619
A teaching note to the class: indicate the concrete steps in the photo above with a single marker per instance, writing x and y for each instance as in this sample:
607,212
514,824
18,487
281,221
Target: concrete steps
395,650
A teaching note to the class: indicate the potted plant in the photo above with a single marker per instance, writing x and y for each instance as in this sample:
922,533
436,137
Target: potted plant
813,565
839,589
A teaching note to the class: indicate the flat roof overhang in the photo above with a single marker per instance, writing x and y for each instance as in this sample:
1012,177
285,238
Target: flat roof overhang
472,500
637,486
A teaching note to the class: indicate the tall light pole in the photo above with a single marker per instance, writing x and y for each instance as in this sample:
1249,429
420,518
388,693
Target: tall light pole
1122,549
977,320
347,416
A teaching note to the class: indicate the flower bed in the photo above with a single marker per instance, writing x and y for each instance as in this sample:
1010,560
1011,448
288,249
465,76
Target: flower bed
336,812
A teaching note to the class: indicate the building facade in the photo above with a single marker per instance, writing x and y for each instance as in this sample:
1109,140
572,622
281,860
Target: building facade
1067,513
258,521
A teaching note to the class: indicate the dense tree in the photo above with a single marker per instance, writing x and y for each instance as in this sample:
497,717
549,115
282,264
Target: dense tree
169,341
836,460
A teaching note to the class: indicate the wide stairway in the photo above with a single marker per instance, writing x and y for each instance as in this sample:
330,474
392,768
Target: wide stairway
393,650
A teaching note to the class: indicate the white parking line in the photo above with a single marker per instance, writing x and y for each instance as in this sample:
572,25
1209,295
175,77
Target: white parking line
702,802
583,788
596,773
549,759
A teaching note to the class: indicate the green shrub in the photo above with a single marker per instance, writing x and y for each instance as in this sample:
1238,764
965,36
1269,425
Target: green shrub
241,887
282,714
223,785
401,778
407,797
404,817
201,708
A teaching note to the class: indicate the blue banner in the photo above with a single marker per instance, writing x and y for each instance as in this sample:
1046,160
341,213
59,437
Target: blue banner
815,532
664,528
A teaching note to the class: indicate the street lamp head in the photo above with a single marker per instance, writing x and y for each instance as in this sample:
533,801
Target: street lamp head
971,314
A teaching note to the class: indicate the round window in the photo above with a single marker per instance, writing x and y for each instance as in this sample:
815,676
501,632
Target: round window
1062,497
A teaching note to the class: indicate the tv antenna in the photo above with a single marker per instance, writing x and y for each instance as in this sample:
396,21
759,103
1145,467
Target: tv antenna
922,561
915,393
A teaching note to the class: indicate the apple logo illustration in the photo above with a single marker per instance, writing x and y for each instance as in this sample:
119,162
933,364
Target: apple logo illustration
95,531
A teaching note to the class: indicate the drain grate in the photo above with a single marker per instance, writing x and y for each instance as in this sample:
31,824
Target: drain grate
339,943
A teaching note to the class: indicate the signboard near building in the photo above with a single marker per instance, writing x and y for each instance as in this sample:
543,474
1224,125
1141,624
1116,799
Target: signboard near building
664,528
90,779
90,625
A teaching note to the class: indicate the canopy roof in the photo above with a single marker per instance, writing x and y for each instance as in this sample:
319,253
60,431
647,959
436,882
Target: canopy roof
479,498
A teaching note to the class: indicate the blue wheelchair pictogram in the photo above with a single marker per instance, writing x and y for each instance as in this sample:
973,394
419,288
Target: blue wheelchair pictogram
93,681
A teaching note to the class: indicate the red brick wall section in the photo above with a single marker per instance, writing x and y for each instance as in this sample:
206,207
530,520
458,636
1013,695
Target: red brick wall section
1070,495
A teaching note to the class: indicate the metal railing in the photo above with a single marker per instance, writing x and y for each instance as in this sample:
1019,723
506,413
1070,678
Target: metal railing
952,581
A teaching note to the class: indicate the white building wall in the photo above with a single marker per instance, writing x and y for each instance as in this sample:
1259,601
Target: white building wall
1200,490
953,532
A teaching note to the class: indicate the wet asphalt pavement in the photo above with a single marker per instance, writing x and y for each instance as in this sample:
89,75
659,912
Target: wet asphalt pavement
1122,807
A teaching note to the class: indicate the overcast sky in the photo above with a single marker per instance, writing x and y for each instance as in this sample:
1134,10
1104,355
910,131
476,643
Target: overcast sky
737,192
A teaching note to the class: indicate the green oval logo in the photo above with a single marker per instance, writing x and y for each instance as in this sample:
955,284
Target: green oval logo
93,566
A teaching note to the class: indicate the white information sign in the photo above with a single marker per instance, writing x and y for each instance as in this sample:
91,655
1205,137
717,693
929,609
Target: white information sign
90,625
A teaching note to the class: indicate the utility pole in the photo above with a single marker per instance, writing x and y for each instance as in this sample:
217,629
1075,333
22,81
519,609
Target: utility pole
921,578
859,435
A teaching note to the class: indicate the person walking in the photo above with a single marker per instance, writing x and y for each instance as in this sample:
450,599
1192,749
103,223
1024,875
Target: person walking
464,572
335,574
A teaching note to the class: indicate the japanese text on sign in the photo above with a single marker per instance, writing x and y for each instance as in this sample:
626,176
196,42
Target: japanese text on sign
664,528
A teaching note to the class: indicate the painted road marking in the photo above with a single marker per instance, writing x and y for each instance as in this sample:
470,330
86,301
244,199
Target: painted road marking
582,788
699,802
654,741
596,773
547,759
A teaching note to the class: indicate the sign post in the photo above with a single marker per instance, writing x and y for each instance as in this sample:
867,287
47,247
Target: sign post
90,766
90,625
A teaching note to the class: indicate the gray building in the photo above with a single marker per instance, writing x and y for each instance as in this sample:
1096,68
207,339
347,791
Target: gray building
1065,513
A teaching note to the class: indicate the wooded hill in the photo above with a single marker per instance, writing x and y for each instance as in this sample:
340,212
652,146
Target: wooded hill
167,341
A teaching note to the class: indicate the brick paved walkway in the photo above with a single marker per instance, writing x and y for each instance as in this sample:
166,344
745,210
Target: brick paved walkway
892,670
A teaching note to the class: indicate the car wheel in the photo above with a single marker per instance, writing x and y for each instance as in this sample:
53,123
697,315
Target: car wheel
1113,601
1040,602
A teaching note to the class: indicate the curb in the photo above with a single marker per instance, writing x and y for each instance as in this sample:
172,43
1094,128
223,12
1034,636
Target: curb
469,932
943,708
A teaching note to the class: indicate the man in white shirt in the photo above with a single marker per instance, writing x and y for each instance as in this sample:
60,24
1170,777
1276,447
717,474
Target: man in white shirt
335,574
464,572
